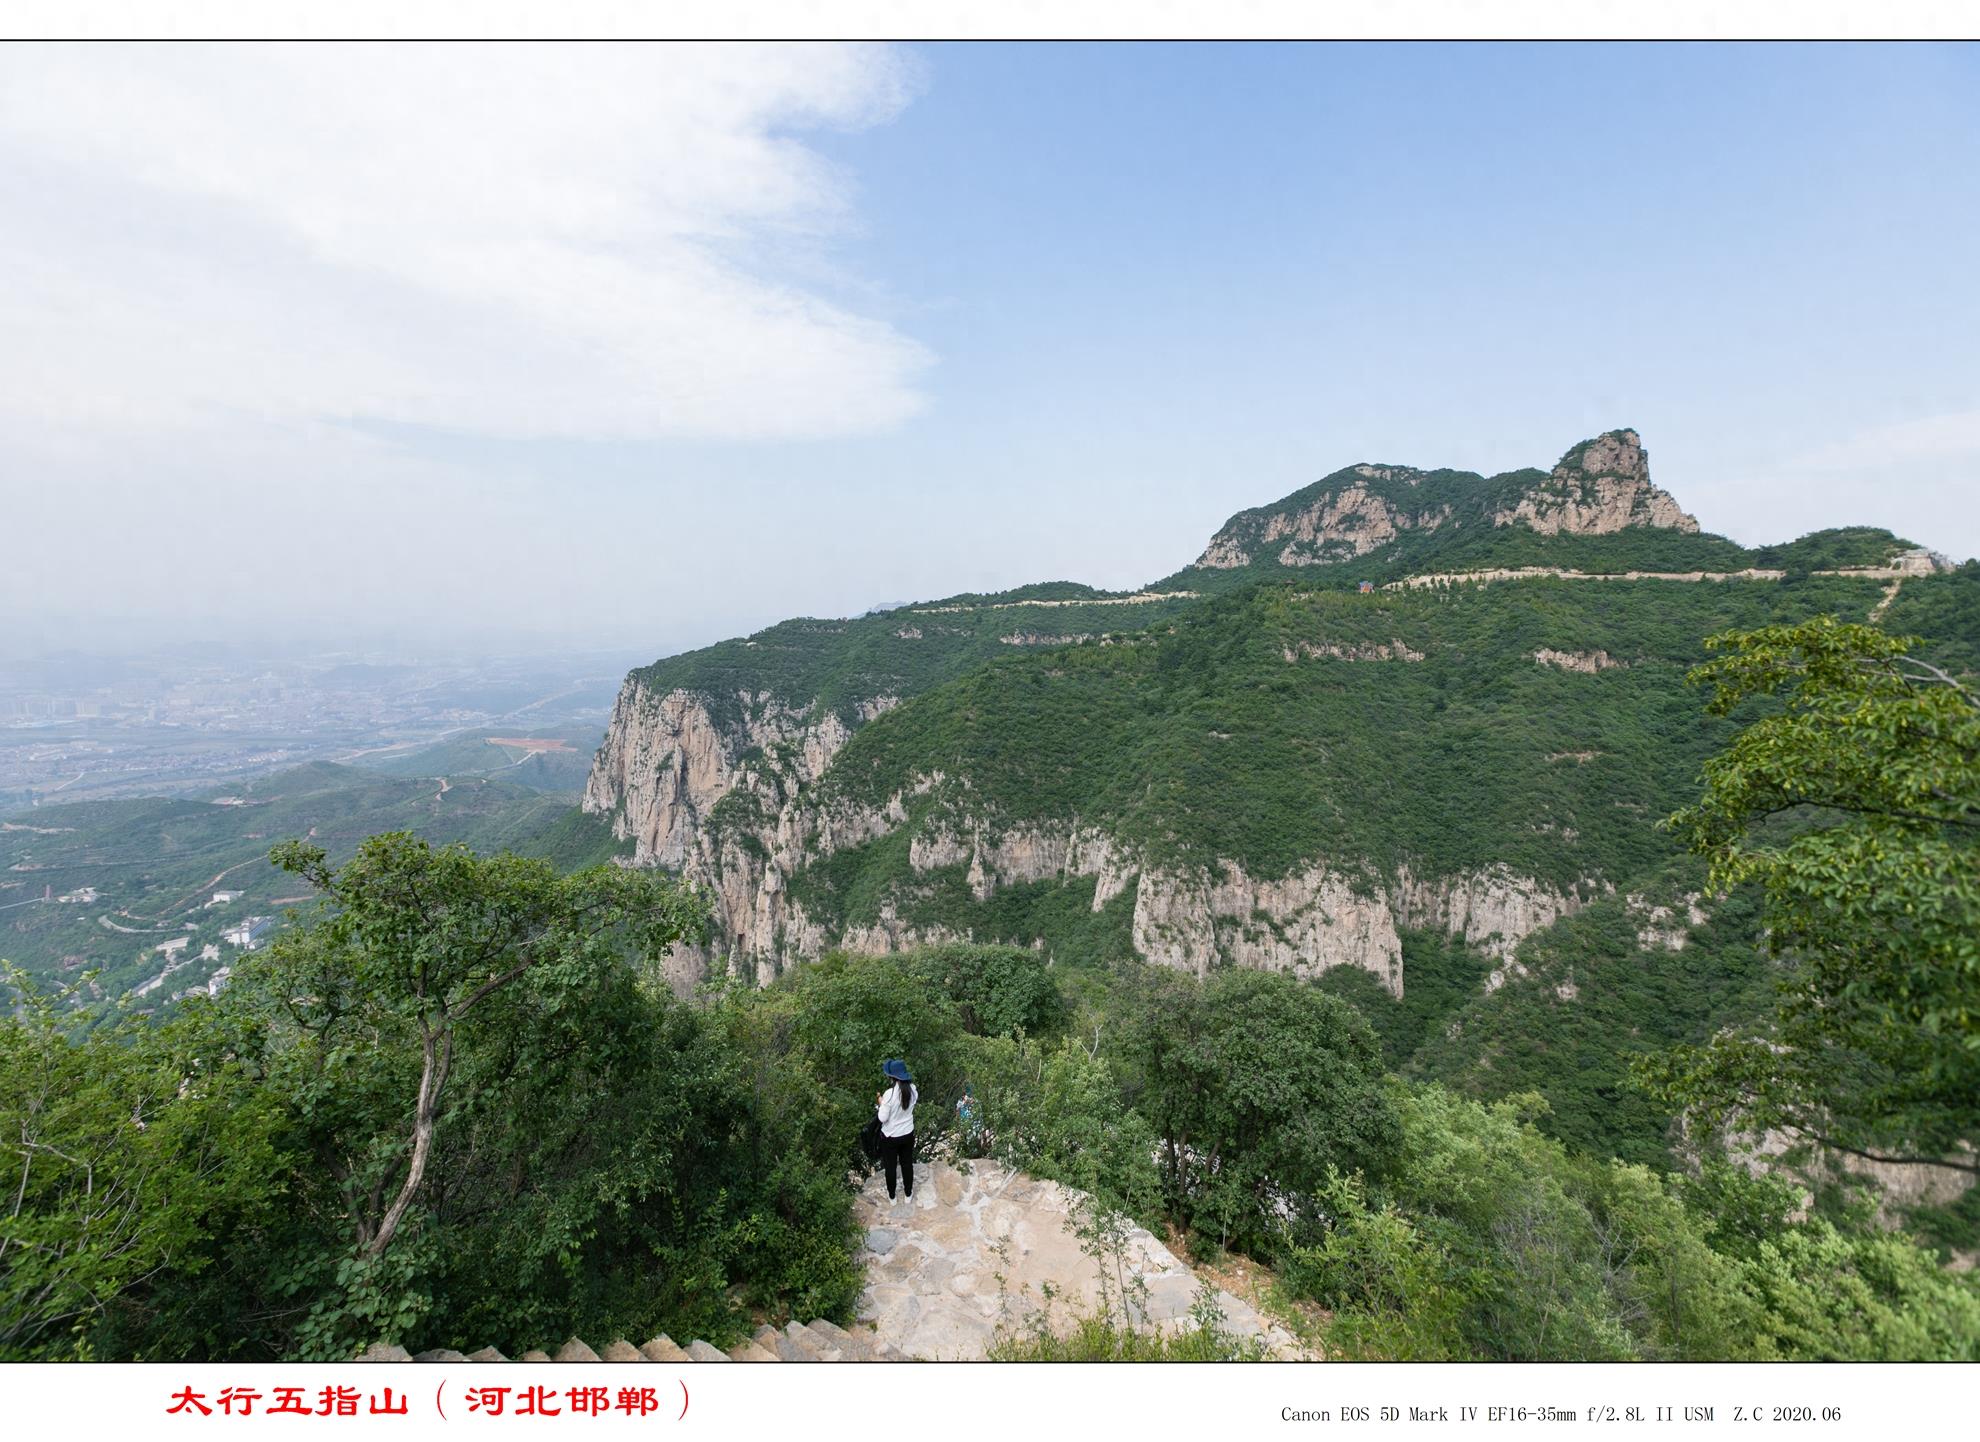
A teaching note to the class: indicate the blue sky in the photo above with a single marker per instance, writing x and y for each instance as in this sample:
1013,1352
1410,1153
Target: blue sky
1039,312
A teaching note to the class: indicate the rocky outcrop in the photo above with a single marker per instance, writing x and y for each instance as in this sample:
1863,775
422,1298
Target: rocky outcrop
667,765
1666,928
1338,525
1305,923
981,1252
1492,910
1396,650
1558,573
1918,562
1585,661
1899,1186
1600,487
665,762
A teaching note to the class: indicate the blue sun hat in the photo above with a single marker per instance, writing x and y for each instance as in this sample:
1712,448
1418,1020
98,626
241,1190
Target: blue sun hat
897,1069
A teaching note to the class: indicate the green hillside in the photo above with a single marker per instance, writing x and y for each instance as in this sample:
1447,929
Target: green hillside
154,864
1200,741
838,664
901,652
1205,741
549,759
1267,713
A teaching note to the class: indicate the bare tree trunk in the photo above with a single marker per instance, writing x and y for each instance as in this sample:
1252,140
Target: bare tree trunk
433,1076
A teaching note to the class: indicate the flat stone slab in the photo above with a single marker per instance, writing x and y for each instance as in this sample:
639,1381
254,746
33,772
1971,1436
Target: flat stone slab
979,1250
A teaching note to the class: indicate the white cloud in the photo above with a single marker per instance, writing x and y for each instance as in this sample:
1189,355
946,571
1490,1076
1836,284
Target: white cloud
1953,436
506,240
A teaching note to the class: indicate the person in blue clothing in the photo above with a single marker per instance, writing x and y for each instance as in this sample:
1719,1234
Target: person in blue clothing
969,1112
895,1108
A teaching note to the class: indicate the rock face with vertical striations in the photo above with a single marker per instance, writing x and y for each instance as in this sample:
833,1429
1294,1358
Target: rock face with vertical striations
1598,488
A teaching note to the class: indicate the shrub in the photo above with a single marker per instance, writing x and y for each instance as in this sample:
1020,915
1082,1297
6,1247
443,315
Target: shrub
1056,1112
1256,1085
996,990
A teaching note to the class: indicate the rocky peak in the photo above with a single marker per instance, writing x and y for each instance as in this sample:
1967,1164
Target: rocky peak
1599,487
1349,514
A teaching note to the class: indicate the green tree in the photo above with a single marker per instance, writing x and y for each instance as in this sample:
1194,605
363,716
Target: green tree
842,1017
997,990
413,940
120,1159
1056,1111
1256,1085
1855,805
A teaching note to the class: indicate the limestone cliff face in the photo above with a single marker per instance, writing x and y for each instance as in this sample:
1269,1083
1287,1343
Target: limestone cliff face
1585,661
1336,525
1599,487
667,763
1396,650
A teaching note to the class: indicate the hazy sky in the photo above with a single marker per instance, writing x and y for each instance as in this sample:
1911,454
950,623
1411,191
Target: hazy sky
637,346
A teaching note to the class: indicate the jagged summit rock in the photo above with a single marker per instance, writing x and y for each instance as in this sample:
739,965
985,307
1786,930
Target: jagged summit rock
1347,514
1599,487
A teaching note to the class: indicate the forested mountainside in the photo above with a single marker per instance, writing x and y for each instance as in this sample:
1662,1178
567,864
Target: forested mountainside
1374,821
1400,719
1255,761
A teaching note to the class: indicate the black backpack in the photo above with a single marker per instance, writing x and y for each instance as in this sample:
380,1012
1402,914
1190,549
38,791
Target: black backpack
869,1139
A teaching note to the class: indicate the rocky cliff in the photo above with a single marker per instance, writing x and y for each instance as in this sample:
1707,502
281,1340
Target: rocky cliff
1195,765
1598,488
741,810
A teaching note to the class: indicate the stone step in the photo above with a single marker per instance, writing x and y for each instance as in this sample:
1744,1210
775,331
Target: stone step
814,1343
830,1347
771,1340
796,1345
876,1350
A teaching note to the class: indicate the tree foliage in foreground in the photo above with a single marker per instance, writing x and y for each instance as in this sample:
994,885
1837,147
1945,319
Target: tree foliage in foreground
1491,1240
1855,803
603,1159
453,1112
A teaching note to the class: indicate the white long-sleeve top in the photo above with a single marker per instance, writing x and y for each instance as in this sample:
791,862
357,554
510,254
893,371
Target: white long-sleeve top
896,1120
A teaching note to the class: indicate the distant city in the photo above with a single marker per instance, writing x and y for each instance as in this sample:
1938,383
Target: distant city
75,728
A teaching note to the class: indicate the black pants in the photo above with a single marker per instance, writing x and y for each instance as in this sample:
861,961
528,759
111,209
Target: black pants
898,1152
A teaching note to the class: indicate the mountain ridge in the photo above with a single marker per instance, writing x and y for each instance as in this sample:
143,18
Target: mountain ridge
1094,771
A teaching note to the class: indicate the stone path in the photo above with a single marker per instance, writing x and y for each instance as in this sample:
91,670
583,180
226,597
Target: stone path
980,1250
933,1265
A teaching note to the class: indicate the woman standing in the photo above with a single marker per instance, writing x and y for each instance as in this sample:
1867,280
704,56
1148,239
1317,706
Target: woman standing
895,1108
